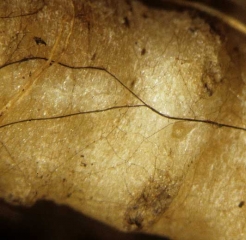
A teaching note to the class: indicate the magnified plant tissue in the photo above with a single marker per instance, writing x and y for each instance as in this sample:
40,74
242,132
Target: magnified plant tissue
130,114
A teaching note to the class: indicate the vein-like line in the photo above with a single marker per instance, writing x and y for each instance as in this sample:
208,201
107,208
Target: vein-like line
231,21
71,114
97,68
36,74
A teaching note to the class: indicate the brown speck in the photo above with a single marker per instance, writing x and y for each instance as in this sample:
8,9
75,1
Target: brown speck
145,16
128,2
93,57
143,51
168,196
39,41
241,204
137,221
126,22
208,90
83,164
132,83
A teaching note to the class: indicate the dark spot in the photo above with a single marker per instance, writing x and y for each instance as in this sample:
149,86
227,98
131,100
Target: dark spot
126,22
144,197
82,156
168,196
64,179
137,221
89,25
133,82
39,41
129,3
241,204
83,164
69,195
145,15
208,89
143,52
93,57
235,49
